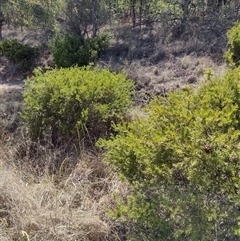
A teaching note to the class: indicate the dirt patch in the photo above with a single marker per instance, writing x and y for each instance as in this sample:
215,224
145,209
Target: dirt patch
13,85
10,77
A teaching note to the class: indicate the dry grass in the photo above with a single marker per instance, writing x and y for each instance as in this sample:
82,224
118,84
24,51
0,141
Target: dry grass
160,65
45,211
58,207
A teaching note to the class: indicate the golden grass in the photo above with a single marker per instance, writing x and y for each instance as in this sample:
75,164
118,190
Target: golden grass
73,209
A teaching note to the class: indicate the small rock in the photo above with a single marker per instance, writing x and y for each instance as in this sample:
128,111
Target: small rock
191,80
143,81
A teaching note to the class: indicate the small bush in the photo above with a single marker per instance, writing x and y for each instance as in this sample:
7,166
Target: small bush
71,50
232,55
75,102
21,54
183,161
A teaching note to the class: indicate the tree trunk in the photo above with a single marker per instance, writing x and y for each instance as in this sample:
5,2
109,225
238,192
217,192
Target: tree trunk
94,18
220,3
185,7
2,19
215,4
211,3
140,13
133,12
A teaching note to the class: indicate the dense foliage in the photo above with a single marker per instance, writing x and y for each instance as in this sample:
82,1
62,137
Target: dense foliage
232,55
21,54
89,16
71,50
84,17
182,155
34,14
75,102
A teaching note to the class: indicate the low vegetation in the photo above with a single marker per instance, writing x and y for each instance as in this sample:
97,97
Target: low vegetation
187,145
22,55
232,54
80,160
70,50
77,103
182,161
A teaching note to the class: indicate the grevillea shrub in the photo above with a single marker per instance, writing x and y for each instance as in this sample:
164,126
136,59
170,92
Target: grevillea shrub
183,163
70,50
75,102
232,55
21,54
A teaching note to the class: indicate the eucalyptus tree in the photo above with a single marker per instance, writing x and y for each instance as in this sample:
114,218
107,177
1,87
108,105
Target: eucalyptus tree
86,16
2,17
33,14
214,4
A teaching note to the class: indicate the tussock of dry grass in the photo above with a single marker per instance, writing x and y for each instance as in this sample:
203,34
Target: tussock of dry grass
73,209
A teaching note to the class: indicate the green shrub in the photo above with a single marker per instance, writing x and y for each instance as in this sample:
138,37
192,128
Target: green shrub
71,50
232,55
183,162
21,54
75,102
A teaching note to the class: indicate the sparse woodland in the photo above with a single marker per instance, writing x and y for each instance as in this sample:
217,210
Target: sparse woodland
119,120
